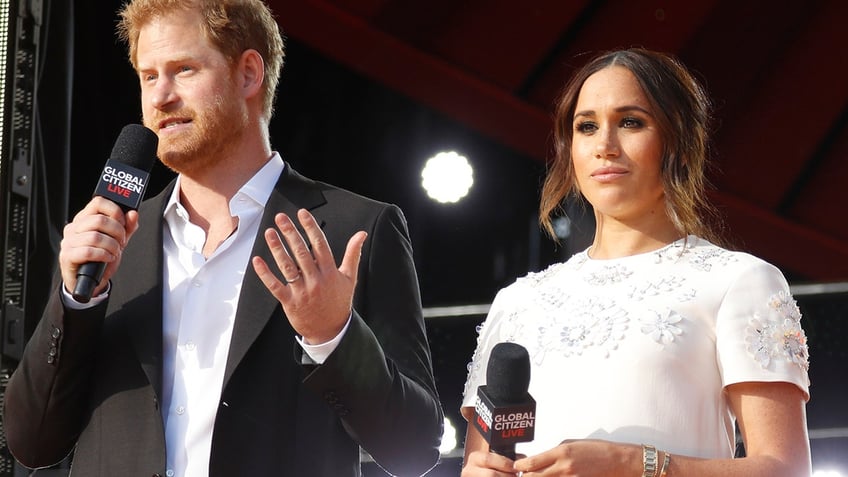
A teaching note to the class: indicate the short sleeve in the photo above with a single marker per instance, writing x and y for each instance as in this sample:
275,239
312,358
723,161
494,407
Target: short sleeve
758,330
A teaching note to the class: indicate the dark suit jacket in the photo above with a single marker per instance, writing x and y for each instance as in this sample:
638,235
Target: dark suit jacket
92,378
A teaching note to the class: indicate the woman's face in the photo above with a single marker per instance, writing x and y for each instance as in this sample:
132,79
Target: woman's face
617,148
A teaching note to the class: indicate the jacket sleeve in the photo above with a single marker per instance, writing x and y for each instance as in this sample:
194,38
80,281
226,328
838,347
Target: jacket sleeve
46,397
379,380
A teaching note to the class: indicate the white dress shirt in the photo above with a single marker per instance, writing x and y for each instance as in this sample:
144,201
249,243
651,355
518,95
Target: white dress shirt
199,307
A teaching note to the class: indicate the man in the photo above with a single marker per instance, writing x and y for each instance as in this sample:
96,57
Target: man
190,361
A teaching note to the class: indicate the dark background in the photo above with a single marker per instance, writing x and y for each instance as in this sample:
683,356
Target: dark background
371,89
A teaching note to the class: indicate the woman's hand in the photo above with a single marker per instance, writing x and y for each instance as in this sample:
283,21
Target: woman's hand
586,458
482,463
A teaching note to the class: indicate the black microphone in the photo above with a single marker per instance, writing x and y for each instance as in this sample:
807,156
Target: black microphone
505,413
122,181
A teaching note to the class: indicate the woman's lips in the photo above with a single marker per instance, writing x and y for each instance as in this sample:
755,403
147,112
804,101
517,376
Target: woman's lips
607,174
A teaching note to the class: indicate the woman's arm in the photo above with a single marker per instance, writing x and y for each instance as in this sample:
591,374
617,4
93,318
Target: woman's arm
773,420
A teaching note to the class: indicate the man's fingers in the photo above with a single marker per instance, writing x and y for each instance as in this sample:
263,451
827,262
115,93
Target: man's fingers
320,249
320,252
353,252
298,259
284,261
270,280
93,238
131,225
101,206
302,257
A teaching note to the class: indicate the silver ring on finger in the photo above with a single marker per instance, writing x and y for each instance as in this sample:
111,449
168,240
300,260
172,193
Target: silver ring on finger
294,279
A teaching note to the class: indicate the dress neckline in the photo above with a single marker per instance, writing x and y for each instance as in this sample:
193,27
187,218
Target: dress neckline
688,241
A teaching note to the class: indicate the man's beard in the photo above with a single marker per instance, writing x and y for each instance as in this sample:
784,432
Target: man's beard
214,131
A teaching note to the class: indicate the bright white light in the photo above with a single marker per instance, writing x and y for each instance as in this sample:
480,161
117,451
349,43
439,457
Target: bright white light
447,177
562,227
448,438
827,473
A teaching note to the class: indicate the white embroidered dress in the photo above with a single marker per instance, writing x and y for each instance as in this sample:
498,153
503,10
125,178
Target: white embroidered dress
639,349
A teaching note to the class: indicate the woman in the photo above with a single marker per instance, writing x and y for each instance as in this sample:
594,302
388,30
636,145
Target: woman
648,347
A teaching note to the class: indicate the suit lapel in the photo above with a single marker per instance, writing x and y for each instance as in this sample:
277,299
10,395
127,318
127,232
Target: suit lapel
256,304
145,286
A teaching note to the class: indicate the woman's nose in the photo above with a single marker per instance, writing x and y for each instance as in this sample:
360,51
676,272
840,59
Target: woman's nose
607,144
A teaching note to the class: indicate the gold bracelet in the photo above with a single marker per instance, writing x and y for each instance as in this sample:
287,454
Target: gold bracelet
649,461
666,463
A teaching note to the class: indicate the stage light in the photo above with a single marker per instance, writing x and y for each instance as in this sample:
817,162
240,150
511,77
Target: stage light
448,438
447,177
827,473
562,227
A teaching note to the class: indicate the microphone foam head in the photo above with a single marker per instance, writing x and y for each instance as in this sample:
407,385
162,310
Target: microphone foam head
508,372
136,146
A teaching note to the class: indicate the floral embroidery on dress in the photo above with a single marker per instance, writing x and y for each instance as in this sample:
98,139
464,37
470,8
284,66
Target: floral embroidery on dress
577,260
662,327
552,319
663,286
535,278
779,334
580,323
687,295
474,366
609,274
704,259
672,252
513,326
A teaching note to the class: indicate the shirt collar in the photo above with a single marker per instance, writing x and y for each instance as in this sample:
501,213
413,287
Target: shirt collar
258,188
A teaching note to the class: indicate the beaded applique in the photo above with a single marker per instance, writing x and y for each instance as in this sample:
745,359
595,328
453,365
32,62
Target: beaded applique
609,275
565,323
475,364
779,334
664,286
705,259
662,328
700,258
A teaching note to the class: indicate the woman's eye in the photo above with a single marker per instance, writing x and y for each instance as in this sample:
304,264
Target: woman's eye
631,123
586,127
